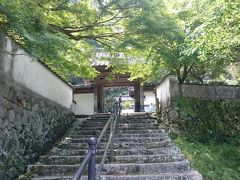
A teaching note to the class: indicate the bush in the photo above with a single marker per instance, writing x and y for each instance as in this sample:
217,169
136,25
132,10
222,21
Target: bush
127,104
215,161
206,120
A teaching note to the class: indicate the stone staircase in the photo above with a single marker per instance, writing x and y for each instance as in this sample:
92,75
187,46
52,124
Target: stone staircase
142,151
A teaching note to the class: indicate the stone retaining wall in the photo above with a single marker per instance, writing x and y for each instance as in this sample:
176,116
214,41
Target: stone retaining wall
199,109
29,125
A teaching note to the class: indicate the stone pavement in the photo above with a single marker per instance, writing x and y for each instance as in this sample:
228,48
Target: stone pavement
142,151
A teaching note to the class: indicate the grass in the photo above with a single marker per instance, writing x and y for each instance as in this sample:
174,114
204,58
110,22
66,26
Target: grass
213,160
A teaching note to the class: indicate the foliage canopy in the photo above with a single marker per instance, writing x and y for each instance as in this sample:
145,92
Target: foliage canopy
191,39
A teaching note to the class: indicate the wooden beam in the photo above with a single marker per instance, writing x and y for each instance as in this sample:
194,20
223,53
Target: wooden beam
118,84
149,87
105,81
83,90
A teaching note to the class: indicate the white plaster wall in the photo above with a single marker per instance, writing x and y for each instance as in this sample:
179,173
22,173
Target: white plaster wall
74,107
85,103
34,76
170,88
163,91
167,89
148,100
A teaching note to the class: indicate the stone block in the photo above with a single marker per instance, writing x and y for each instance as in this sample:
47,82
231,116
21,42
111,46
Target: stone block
2,111
13,173
27,122
3,175
11,115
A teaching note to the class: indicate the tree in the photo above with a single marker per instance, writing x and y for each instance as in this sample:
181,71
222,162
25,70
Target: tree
213,34
190,39
157,43
64,33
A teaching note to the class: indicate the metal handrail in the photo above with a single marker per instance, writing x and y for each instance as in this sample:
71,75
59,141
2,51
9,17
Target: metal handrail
104,130
90,158
109,144
114,120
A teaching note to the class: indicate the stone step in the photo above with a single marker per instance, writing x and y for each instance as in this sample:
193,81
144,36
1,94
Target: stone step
120,124
140,139
145,151
79,129
57,178
87,126
89,122
138,125
99,121
146,168
99,118
144,121
192,175
70,160
118,145
53,170
123,125
100,115
124,139
142,151
117,152
93,128
136,135
85,136
149,158
85,140
70,152
121,136
140,131
66,160
123,120
149,145
137,117
96,133
115,169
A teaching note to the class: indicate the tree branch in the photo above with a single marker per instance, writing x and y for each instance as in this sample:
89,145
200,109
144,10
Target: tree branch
94,36
91,26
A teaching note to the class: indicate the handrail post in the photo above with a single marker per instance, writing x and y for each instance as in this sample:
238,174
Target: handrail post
92,163
117,128
118,114
111,144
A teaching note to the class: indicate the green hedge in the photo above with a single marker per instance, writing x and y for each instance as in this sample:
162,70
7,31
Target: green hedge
215,161
206,119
